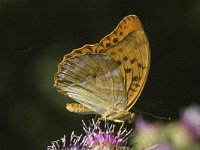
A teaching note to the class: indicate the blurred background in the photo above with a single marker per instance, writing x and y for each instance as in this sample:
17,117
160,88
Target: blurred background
36,34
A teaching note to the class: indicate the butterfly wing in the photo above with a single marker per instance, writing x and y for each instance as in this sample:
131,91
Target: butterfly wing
94,80
86,49
129,47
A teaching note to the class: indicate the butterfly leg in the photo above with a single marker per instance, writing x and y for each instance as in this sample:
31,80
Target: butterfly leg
122,124
99,120
96,119
117,121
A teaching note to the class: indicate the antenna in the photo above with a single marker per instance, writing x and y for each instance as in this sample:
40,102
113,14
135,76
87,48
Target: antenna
153,104
159,117
149,114
155,116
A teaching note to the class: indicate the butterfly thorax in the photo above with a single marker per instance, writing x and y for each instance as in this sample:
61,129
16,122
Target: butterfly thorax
122,116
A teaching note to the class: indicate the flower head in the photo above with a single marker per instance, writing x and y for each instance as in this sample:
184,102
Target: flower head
143,126
96,138
106,137
191,120
164,146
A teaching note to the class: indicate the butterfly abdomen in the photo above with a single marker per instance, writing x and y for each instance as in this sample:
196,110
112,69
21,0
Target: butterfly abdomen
78,108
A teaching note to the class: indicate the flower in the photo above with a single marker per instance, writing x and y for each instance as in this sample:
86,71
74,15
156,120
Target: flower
143,126
164,146
152,148
146,134
106,138
96,138
190,119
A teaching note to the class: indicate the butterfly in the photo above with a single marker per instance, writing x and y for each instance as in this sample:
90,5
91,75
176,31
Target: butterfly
107,78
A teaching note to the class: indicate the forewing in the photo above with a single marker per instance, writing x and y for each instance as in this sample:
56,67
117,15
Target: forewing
129,47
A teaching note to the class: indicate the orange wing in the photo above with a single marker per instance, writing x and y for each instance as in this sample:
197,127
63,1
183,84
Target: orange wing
129,47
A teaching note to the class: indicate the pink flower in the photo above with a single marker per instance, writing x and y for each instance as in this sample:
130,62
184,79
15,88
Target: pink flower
164,146
106,138
143,126
190,119
96,138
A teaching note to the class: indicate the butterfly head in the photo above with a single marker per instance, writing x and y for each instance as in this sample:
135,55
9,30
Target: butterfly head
130,117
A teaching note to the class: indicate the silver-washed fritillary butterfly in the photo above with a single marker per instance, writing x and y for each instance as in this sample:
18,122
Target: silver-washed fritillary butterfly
107,78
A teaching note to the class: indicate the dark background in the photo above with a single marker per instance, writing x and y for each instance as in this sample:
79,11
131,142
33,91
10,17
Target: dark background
35,34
